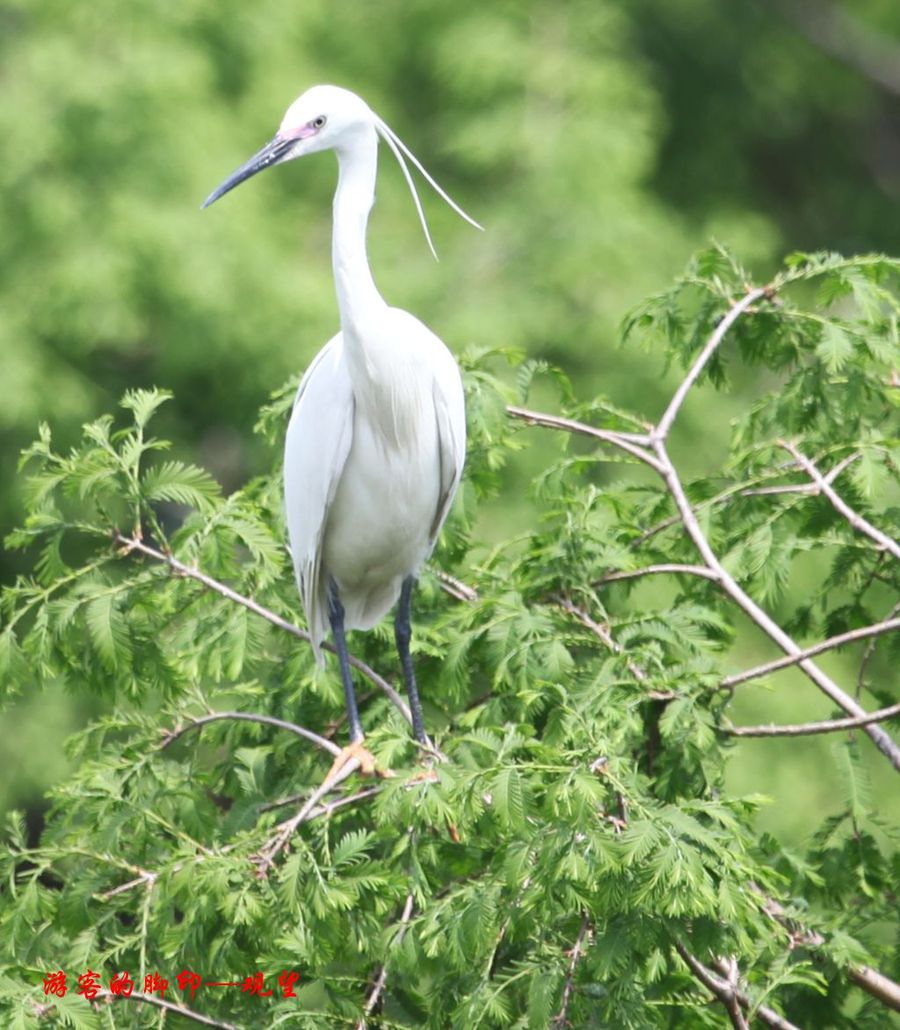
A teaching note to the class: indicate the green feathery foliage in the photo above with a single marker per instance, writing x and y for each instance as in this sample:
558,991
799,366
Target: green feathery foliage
576,859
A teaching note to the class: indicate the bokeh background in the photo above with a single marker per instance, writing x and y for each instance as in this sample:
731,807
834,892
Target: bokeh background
599,142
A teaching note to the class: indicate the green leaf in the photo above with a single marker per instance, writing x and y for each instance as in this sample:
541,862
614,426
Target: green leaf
108,630
180,483
835,347
144,403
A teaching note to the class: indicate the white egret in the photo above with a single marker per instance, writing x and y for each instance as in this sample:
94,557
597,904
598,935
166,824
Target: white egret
376,442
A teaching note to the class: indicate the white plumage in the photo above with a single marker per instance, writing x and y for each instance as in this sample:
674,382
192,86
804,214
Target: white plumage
370,472
376,442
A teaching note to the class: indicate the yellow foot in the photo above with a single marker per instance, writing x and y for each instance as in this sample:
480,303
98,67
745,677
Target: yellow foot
361,753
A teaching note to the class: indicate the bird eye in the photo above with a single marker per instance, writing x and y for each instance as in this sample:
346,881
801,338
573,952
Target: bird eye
317,123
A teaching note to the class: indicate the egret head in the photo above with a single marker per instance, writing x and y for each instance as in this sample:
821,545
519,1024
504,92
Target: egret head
331,118
322,118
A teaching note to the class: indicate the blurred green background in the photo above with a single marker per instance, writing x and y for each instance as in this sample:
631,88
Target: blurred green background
600,143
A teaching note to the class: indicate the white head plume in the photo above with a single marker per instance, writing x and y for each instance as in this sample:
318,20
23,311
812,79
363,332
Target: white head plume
399,149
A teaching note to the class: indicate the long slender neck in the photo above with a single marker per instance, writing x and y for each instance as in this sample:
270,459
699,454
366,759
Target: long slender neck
356,292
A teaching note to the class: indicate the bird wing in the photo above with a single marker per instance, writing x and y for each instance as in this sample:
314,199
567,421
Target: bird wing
450,413
315,451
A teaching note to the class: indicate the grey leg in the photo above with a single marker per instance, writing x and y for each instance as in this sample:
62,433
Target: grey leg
336,616
403,635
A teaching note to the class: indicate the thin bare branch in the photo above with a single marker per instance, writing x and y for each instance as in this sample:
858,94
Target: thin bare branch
861,633
301,731
723,990
454,587
628,442
825,488
871,646
876,984
604,635
179,568
306,814
266,855
807,729
734,313
766,623
766,1015
662,463
146,878
652,570
167,1006
381,978
801,488
327,807
560,1020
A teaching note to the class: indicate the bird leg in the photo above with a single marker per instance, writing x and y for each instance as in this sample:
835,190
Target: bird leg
355,748
403,635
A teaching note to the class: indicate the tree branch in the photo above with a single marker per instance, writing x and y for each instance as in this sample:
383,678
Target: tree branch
877,984
267,720
807,729
631,443
766,623
652,570
266,855
876,629
729,993
825,488
561,1018
661,431
167,1006
381,978
327,807
179,568
722,990
453,586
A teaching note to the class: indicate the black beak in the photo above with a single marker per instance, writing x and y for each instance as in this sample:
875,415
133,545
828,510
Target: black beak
273,152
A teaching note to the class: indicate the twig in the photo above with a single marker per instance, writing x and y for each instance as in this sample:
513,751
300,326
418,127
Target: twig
723,990
879,986
870,648
181,569
561,1018
734,313
807,729
652,570
327,807
167,1006
876,629
801,488
147,877
455,587
172,735
603,633
824,486
766,1015
266,854
628,442
381,978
